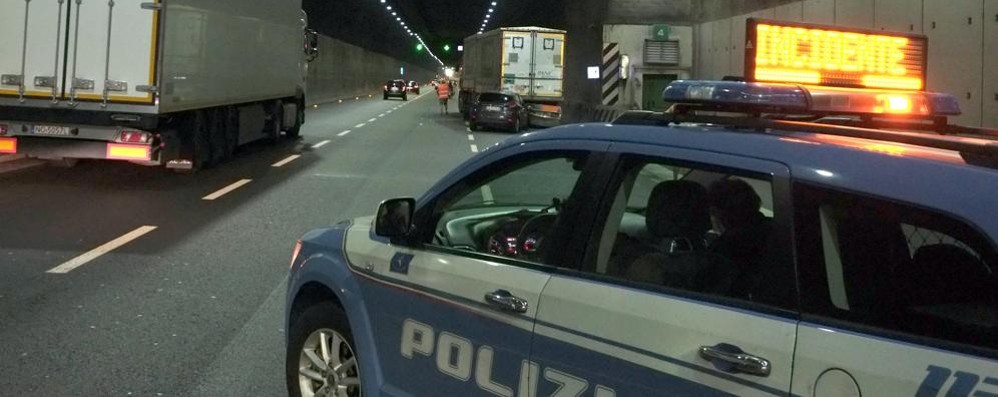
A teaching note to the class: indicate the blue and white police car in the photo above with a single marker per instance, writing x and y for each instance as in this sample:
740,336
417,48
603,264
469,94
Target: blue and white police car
758,238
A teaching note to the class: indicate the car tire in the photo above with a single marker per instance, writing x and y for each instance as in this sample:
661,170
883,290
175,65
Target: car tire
405,97
472,126
322,321
386,97
516,125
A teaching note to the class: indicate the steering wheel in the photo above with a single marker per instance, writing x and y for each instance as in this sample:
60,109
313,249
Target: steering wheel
532,235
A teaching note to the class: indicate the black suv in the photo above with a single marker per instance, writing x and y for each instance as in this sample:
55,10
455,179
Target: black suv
396,88
499,110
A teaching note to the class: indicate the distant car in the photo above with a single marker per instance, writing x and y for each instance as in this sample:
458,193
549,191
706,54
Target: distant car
499,110
413,87
397,89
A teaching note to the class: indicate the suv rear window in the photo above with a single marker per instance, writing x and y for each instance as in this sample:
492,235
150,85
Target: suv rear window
495,98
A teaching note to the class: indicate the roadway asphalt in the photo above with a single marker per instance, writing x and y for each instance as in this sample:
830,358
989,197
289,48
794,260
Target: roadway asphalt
190,300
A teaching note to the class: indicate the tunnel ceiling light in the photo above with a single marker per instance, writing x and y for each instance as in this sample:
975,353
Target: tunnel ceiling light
422,44
488,16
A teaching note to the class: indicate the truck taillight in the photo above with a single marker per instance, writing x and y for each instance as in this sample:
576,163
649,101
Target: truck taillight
132,136
8,145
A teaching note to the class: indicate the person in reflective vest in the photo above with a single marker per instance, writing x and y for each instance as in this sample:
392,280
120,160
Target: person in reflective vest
443,93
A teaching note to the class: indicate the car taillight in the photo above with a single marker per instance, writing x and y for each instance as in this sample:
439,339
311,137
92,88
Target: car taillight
4,128
294,254
132,136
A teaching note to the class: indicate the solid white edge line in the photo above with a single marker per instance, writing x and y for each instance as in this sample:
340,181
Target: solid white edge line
321,144
474,148
287,160
99,251
344,133
226,190
361,125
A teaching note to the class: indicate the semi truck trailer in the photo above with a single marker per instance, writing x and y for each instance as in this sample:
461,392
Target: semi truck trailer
526,60
175,83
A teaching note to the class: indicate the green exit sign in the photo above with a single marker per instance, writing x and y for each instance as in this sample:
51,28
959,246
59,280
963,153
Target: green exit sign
660,32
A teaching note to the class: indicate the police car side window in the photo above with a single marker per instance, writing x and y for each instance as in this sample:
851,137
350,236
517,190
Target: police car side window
510,211
896,267
692,229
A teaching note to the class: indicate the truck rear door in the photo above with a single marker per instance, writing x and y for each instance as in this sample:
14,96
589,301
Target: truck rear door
32,47
113,48
516,62
548,64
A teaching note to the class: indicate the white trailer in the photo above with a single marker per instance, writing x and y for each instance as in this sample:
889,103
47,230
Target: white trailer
525,60
179,83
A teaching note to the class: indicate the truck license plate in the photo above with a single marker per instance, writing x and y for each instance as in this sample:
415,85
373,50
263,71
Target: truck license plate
52,130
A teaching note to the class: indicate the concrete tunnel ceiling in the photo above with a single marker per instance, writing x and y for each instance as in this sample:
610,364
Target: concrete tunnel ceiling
365,22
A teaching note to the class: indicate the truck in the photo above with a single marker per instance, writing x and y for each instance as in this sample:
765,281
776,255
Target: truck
526,60
174,83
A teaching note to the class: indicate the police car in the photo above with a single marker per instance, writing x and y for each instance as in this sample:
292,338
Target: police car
759,238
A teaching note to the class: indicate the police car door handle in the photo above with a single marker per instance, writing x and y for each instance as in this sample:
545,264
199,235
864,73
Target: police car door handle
506,301
730,358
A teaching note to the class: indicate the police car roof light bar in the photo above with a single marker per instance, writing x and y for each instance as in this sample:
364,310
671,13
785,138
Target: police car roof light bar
977,145
747,97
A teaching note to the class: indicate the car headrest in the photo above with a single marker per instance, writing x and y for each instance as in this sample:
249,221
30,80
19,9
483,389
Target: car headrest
946,273
678,209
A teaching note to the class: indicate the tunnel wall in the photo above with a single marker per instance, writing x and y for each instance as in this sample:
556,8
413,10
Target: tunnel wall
344,70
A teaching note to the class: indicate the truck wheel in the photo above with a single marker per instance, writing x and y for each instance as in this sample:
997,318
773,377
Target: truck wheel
295,130
231,131
201,128
273,125
217,135
321,354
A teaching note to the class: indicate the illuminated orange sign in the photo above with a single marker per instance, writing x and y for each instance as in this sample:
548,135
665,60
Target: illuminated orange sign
821,55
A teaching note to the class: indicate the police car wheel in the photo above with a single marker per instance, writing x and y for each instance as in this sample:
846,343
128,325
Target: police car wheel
320,356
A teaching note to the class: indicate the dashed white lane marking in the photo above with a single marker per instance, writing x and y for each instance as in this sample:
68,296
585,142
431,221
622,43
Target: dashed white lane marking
468,129
226,190
487,194
287,160
471,137
390,111
344,133
474,148
321,144
361,125
381,115
373,119
99,251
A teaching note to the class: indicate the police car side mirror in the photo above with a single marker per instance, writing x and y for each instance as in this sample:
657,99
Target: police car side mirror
394,217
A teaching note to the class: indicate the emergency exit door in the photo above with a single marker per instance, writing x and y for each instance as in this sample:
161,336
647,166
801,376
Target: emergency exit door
651,94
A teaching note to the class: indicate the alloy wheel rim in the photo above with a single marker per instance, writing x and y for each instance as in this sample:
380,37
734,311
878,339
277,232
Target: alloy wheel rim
327,366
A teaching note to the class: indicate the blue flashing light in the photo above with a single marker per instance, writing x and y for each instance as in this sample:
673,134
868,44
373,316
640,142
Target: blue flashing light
736,93
734,96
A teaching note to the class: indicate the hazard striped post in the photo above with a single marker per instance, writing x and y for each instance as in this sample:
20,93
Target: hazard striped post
611,74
